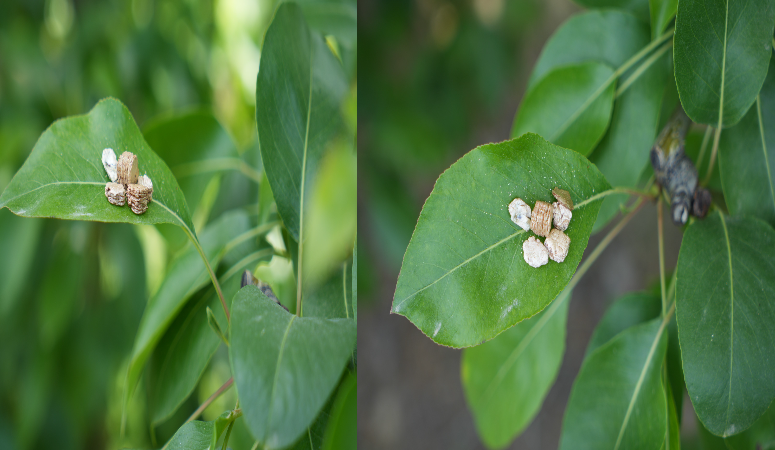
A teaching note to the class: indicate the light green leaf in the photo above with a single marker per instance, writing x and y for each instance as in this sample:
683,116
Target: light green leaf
721,52
284,366
747,158
298,93
610,37
342,431
18,237
639,8
626,312
570,106
64,178
197,435
761,435
662,12
725,309
618,400
332,219
464,279
186,275
516,368
189,343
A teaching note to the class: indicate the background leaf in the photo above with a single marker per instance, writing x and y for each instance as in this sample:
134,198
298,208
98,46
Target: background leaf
186,275
747,158
662,12
626,312
571,106
725,311
761,435
464,279
506,379
299,89
18,237
618,400
198,435
721,54
342,429
284,366
63,177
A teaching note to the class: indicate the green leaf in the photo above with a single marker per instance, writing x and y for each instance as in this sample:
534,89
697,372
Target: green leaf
610,37
334,17
571,106
721,52
673,435
18,237
639,8
298,93
516,368
212,321
332,299
197,435
624,150
64,178
626,312
342,431
186,275
662,12
747,158
464,279
725,312
284,366
618,400
761,435
355,280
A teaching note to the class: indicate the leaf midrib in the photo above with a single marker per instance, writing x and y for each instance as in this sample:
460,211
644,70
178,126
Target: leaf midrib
731,316
303,179
764,148
723,69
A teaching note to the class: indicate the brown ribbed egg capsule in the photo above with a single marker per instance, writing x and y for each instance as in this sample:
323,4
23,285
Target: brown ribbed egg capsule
138,197
127,169
541,218
557,244
115,194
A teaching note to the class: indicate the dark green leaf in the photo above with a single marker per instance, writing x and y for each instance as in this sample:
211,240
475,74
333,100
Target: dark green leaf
464,279
609,37
760,436
618,400
186,275
212,321
64,177
570,106
722,49
298,93
639,8
624,150
630,310
342,431
662,12
747,158
332,299
725,312
334,17
284,366
673,435
516,368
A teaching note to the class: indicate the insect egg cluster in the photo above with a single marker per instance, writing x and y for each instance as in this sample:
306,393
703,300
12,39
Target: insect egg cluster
126,184
539,221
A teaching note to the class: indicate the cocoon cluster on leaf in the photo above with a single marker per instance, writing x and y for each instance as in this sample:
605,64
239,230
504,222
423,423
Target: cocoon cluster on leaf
126,185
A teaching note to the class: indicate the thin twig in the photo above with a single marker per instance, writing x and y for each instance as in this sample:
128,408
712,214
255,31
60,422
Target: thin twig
212,274
704,146
660,234
211,399
716,137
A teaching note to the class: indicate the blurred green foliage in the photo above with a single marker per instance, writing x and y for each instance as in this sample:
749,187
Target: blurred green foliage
438,77
72,293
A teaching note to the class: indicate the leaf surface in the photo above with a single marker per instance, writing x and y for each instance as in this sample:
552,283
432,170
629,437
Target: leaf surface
747,158
342,431
464,279
284,366
662,12
64,178
639,8
761,434
626,312
186,275
618,400
198,435
721,53
516,368
725,308
298,93
570,106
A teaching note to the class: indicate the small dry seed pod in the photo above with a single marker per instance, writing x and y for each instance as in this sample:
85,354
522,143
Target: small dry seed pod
127,169
145,181
138,196
115,194
520,213
563,197
541,219
562,216
557,244
110,163
536,254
